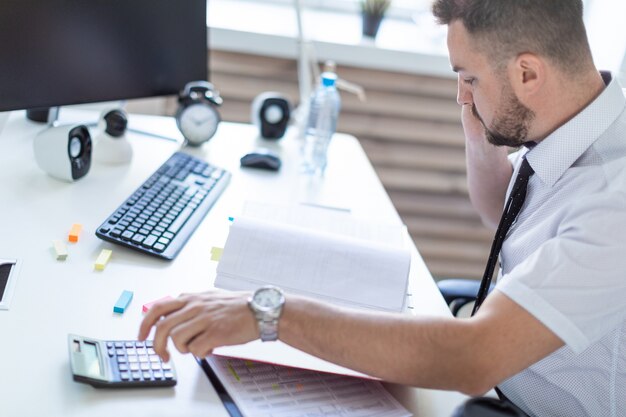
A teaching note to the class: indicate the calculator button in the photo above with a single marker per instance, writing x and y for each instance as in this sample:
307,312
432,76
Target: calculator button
151,351
169,375
156,367
131,352
144,358
121,359
158,375
111,352
134,366
109,345
140,344
149,343
155,358
166,366
120,352
129,344
125,376
122,367
132,358
141,351
119,345
145,366
147,376
136,376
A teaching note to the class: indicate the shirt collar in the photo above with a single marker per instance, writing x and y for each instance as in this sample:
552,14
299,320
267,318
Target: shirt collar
572,139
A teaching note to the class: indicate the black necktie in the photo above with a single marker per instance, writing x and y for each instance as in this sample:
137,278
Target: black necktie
511,210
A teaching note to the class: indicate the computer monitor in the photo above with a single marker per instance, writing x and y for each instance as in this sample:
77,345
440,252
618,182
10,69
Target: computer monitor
61,52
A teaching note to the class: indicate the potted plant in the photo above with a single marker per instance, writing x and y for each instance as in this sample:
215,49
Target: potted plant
373,12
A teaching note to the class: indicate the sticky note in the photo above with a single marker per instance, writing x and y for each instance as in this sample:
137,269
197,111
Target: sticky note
103,259
149,305
74,232
122,303
216,253
60,250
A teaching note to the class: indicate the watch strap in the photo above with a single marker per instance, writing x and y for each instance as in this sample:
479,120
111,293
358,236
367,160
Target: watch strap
268,330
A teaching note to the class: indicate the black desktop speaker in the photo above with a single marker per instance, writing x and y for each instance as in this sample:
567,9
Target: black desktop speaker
270,113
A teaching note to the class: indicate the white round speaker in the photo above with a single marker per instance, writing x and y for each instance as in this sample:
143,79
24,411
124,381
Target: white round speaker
64,152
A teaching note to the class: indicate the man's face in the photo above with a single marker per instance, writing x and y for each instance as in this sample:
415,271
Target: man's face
504,119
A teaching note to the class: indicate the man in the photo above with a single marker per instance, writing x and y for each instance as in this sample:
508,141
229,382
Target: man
552,335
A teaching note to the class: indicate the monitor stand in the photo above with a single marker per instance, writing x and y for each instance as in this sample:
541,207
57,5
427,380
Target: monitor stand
50,116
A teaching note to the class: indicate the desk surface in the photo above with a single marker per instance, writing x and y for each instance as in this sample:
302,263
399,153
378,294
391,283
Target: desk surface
54,298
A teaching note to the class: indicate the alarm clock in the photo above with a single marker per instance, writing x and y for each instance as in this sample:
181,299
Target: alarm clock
197,116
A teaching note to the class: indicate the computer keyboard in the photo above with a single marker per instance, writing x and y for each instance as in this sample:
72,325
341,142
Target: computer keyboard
160,216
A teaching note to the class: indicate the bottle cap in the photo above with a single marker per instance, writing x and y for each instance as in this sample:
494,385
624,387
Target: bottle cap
328,79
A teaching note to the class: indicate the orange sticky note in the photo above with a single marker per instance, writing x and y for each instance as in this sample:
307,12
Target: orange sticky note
74,232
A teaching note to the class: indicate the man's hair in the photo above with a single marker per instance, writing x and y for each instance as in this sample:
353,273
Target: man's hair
503,29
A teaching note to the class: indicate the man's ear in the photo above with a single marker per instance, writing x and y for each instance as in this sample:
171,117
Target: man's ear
527,74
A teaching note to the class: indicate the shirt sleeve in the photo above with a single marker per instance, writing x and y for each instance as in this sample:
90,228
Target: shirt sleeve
575,283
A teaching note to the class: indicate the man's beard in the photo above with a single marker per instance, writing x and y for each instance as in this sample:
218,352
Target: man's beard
511,123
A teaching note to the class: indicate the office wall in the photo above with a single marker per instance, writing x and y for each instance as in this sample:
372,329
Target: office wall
409,127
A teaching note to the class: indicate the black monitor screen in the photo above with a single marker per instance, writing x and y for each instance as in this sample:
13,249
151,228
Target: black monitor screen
59,52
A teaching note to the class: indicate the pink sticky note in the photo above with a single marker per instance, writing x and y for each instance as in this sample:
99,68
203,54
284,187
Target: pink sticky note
149,305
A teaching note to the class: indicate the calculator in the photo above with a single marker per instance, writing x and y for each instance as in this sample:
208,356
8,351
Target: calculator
118,363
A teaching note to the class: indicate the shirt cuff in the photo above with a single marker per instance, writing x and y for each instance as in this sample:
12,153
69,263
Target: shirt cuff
552,318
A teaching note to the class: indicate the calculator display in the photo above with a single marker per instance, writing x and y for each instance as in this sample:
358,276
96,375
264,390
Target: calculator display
92,363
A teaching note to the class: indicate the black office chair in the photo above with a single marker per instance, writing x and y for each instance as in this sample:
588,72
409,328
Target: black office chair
488,407
458,292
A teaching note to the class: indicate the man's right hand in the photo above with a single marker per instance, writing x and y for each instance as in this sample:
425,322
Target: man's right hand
488,169
472,127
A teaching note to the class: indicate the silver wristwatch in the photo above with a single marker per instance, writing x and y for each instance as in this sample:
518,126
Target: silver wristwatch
267,305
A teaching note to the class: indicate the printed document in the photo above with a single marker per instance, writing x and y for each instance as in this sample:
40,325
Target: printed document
264,390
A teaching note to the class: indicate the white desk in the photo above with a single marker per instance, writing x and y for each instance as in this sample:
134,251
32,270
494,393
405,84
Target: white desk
54,298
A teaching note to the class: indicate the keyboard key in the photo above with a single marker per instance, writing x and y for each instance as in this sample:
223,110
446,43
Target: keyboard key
138,238
149,241
180,220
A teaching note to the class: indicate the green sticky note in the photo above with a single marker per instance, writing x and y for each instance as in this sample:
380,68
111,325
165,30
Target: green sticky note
216,253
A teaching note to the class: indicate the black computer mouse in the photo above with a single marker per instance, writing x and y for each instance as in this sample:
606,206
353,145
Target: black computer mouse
262,160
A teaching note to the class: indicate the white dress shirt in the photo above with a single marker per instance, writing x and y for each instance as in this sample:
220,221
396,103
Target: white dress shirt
565,263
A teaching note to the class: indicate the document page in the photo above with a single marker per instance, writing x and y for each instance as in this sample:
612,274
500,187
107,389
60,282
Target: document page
264,390
333,267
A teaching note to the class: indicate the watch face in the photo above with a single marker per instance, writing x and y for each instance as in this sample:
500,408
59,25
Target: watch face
198,123
268,298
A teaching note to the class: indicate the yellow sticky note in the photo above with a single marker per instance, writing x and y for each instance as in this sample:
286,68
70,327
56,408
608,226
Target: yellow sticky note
216,253
103,258
60,250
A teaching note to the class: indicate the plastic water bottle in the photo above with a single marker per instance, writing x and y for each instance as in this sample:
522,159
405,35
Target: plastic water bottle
322,122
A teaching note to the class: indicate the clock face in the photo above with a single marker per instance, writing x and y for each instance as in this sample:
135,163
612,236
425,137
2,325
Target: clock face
268,298
198,123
